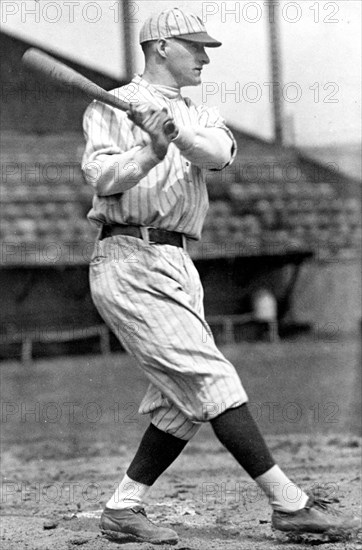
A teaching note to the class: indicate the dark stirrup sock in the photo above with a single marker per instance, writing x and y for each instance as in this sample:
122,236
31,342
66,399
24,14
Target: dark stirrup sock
237,431
155,454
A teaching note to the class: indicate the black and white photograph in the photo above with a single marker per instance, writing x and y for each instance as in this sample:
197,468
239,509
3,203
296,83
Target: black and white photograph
180,277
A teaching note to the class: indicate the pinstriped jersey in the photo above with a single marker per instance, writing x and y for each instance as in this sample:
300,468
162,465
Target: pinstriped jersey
173,194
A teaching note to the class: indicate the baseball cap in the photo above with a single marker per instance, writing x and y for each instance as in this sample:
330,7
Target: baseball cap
176,23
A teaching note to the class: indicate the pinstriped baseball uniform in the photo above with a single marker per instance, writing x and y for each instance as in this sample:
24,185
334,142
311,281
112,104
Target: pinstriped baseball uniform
173,194
151,295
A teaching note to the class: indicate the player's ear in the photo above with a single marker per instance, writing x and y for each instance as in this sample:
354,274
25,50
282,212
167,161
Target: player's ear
162,47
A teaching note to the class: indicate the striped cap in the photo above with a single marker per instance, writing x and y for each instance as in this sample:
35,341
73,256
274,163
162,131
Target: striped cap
178,24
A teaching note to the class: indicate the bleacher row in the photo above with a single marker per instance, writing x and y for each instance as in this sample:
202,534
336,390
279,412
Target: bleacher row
332,225
44,200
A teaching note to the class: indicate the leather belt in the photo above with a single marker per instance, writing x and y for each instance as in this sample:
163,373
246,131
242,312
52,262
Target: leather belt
150,235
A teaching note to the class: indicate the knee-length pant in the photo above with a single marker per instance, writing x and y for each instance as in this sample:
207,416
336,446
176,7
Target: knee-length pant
152,299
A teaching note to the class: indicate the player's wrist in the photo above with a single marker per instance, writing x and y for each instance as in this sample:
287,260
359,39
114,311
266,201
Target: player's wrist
160,151
185,138
147,158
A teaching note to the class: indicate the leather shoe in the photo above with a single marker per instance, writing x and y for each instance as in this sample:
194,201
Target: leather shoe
133,525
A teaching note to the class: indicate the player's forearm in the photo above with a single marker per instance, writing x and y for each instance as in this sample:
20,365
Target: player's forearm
210,147
111,174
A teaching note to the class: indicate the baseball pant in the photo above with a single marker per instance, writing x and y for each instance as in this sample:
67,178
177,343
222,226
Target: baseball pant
151,297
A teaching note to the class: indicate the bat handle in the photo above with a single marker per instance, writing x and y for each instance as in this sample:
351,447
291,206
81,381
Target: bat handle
170,129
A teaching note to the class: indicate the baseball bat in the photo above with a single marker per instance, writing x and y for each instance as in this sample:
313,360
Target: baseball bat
60,73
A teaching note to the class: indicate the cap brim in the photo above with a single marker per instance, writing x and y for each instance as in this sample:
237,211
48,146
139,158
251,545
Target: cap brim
200,38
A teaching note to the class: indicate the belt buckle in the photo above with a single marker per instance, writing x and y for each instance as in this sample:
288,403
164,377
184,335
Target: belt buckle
145,234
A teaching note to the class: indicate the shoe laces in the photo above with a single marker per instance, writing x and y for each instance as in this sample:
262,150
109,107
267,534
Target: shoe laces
140,510
324,504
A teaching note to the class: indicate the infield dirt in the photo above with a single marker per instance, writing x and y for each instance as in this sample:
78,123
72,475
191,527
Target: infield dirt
70,427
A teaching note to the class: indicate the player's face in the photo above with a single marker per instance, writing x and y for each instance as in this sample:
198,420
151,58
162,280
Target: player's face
186,61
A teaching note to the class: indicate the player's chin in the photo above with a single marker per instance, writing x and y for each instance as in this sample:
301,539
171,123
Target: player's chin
194,80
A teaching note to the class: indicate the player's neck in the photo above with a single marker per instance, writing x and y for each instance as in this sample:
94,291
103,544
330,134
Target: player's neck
158,76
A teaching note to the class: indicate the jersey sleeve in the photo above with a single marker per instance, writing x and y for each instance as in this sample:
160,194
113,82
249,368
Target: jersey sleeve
208,143
116,157
209,117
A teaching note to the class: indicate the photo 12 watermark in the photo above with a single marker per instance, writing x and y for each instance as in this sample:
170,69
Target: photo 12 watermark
254,92
289,12
290,412
68,412
70,12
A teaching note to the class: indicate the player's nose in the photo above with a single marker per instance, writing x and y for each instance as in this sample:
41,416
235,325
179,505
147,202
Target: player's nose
205,58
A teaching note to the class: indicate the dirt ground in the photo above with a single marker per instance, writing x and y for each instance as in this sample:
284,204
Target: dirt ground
70,427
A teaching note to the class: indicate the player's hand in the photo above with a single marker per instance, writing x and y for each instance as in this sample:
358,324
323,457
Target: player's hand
151,120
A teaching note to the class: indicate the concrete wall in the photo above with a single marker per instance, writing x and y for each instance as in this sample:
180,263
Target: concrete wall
328,293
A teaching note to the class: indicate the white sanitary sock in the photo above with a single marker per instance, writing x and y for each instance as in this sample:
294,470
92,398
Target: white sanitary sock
128,494
283,494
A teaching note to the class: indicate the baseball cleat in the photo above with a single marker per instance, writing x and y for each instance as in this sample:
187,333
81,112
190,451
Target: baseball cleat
132,525
316,521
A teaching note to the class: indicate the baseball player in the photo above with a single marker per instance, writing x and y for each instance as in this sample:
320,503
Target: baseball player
150,200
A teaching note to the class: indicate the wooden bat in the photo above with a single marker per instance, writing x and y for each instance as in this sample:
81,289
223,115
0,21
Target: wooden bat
60,73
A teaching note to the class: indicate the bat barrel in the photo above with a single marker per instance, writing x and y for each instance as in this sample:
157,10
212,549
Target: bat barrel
57,72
